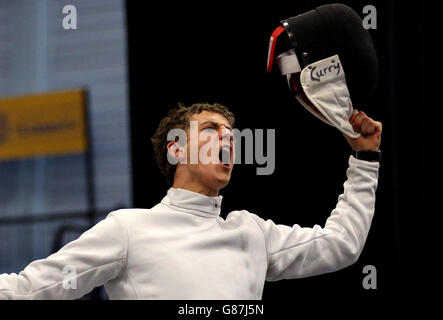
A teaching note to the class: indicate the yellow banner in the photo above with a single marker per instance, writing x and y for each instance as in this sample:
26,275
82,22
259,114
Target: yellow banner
43,124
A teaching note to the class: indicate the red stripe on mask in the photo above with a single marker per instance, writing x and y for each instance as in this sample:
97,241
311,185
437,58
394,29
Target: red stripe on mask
271,49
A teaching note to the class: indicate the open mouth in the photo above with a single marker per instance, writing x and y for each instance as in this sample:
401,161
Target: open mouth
225,157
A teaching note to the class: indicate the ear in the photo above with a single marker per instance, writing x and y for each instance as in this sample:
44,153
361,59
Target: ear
175,150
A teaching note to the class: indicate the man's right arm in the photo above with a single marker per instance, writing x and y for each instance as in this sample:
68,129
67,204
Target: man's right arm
96,257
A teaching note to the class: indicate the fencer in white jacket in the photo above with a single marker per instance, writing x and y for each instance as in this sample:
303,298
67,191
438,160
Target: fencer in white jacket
182,249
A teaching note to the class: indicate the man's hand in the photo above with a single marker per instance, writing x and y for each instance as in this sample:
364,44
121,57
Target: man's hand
370,132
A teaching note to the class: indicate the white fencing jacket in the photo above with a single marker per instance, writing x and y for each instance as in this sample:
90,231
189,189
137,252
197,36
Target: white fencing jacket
182,249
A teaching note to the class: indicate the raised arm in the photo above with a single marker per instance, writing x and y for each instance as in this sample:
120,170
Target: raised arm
96,257
295,252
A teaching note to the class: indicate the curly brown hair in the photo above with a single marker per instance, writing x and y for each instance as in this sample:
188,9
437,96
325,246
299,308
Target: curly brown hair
178,118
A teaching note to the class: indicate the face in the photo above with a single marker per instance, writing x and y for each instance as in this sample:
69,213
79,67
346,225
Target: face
209,154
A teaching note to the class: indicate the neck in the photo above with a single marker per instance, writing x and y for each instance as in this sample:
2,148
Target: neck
187,182
195,188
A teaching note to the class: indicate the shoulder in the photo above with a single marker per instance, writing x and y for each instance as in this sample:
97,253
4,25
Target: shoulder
243,215
254,220
127,214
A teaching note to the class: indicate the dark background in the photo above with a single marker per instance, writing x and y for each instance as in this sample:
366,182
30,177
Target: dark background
216,52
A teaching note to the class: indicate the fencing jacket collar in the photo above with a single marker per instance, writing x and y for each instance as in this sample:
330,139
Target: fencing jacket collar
193,202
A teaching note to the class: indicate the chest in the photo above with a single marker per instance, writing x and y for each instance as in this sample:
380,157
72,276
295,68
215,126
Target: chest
215,259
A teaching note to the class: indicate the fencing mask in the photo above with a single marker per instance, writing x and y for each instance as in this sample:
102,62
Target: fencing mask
328,58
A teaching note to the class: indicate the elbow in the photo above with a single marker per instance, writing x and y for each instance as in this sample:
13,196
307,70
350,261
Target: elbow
347,251
354,257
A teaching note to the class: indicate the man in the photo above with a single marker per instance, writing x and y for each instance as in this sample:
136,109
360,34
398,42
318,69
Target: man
182,249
